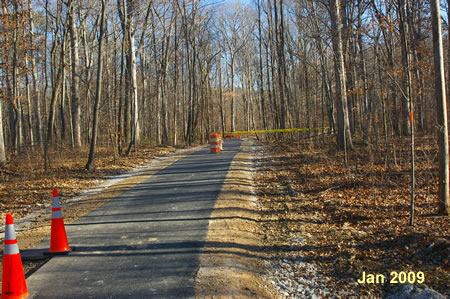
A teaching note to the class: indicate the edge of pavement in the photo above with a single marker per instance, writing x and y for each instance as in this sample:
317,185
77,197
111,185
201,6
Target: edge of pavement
234,260
36,225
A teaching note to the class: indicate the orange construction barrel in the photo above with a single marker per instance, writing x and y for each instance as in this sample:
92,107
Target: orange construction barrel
214,143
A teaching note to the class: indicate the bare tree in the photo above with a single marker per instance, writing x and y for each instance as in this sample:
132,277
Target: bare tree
232,33
75,64
56,84
344,139
99,87
440,95
36,109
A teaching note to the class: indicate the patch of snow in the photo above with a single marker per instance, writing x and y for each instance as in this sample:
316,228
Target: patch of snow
413,292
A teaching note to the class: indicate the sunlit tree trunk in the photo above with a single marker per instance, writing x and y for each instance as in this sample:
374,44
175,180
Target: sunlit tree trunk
76,107
98,89
29,118
37,118
406,81
440,94
344,139
2,139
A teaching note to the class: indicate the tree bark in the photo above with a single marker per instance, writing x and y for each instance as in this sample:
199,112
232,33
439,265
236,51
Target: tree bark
2,140
175,80
440,95
98,90
51,117
15,84
36,109
407,100
260,75
76,107
30,121
232,93
344,140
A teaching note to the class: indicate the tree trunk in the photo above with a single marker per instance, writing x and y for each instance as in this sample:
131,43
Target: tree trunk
344,140
261,81
175,83
407,100
448,47
2,140
98,90
76,107
51,116
29,118
280,71
35,106
15,83
61,106
136,132
232,94
440,94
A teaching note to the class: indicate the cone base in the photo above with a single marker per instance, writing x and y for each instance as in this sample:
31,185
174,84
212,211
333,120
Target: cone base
6,296
66,252
13,278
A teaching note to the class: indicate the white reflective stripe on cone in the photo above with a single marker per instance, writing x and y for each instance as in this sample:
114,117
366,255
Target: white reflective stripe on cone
55,202
57,214
215,146
11,249
214,140
10,234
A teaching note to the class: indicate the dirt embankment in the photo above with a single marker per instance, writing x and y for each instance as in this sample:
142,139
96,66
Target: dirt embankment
233,264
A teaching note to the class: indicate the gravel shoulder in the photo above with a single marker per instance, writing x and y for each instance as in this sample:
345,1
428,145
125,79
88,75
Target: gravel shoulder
234,262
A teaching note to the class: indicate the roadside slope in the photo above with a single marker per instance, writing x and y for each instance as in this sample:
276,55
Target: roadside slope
233,261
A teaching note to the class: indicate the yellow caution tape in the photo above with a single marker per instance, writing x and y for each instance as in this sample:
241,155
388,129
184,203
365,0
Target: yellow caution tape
274,131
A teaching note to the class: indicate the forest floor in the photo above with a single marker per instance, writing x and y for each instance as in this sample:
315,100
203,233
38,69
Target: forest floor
332,222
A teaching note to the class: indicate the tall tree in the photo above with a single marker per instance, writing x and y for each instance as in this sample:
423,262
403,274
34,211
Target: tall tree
406,80
440,95
75,64
98,89
344,139
37,118
261,74
56,84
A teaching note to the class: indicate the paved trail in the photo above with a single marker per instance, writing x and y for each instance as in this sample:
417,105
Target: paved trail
144,243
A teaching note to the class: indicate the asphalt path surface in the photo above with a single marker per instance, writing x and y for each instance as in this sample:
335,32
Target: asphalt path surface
145,243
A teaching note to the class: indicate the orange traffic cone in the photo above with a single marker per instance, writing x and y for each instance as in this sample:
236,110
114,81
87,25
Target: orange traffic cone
239,136
13,277
58,237
231,136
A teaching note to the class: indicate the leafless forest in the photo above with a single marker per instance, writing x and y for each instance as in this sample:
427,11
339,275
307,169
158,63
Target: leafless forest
123,74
